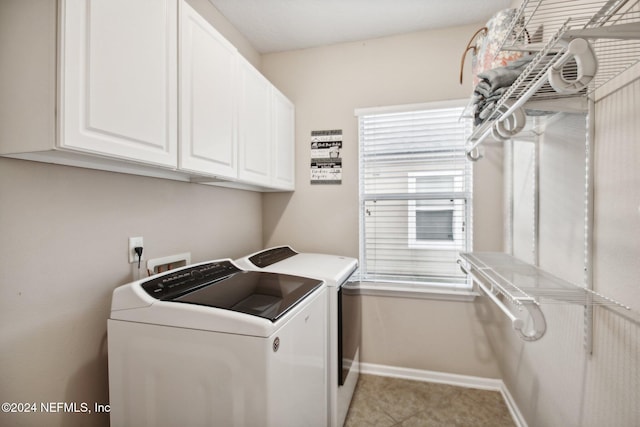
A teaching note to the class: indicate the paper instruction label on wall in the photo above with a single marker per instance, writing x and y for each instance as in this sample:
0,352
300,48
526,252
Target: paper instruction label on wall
326,157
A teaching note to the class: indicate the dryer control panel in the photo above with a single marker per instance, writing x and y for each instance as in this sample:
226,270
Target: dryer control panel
271,256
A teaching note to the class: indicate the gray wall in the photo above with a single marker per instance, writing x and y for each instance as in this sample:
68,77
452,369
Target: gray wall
64,249
327,84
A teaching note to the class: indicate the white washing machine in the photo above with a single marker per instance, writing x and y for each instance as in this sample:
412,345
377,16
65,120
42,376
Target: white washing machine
344,315
213,345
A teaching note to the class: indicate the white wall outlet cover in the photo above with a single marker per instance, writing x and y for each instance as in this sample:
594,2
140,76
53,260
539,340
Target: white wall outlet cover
135,242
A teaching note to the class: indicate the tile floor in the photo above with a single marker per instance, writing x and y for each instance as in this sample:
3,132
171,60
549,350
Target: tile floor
386,402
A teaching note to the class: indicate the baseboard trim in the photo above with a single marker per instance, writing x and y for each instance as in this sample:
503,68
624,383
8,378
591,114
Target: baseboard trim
450,379
513,407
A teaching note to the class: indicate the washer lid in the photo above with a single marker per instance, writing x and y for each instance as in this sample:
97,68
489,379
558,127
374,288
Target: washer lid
223,285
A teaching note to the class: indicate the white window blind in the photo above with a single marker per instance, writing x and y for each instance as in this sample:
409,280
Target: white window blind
415,195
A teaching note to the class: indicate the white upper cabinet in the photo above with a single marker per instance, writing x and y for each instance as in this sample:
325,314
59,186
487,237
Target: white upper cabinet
254,126
208,69
283,150
118,94
266,123
145,87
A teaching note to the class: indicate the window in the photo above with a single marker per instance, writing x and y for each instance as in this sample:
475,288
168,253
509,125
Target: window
415,195
437,223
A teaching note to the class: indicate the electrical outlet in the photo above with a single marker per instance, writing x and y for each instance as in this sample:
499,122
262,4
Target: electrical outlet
134,242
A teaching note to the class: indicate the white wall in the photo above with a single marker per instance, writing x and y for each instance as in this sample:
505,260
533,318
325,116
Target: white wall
63,249
327,84
554,381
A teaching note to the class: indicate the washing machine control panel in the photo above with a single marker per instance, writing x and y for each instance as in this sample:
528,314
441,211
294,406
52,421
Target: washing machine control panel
271,256
180,282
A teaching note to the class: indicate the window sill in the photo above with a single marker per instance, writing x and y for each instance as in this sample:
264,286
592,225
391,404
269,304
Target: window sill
382,289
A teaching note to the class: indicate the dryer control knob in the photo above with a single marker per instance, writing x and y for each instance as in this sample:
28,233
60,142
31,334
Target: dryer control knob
276,344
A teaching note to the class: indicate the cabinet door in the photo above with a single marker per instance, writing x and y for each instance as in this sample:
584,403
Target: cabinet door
283,142
207,98
119,79
254,127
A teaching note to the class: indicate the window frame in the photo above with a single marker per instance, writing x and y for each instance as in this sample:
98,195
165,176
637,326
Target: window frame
461,289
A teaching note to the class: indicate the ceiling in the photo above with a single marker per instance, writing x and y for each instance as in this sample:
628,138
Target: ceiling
281,25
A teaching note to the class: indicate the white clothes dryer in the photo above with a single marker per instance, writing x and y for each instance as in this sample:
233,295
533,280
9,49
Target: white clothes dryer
344,315
213,345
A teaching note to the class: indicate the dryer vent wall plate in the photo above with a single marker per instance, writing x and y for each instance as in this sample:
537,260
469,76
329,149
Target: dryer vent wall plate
160,265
